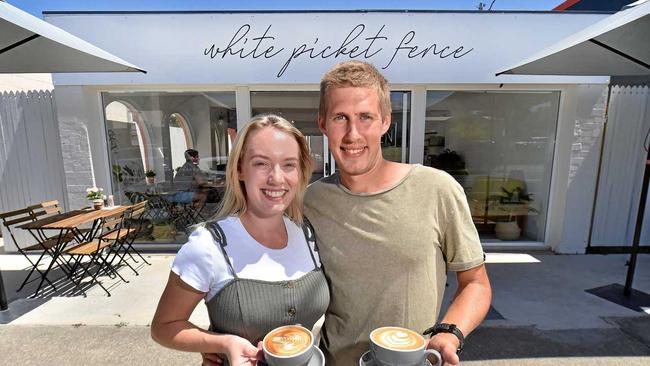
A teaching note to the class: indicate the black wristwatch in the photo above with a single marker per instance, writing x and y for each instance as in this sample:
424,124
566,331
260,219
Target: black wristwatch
448,328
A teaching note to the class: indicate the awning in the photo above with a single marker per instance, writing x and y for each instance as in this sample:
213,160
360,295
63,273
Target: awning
31,45
618,45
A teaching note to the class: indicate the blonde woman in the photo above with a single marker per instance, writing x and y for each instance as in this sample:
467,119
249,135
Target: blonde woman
255,264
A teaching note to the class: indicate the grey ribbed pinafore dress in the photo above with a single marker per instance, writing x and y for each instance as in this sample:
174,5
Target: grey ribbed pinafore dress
251,308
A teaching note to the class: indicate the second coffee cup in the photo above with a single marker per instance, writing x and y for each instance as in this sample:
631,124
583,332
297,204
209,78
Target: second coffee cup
392,346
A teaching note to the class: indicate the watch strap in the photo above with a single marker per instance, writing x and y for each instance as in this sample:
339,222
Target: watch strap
448,328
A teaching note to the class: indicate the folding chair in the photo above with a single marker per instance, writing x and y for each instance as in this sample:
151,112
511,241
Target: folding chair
110,231
44,245
135,220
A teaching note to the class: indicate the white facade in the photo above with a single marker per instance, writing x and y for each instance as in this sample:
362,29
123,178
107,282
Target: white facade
245,52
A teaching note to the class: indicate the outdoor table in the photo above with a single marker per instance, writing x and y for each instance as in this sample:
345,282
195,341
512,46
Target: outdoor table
68,223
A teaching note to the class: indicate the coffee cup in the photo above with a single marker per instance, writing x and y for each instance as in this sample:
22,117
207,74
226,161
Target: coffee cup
397,346
289,345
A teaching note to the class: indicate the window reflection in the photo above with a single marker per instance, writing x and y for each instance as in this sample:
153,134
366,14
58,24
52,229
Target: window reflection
170,148
499,147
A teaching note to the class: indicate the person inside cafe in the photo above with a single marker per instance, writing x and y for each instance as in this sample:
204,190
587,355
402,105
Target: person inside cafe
257,247
189,181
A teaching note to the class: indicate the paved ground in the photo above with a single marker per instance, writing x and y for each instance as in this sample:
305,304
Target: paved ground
541,316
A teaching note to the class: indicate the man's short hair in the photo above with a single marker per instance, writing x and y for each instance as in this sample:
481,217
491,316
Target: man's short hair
356,74
191,153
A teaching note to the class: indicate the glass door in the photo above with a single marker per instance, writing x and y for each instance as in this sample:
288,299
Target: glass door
300,108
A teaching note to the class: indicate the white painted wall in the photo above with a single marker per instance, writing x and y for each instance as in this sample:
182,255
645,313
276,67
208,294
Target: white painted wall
580,132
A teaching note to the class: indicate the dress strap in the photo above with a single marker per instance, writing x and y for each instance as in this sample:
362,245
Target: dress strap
220,237
310,237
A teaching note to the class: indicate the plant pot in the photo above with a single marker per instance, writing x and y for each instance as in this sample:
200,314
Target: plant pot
507,230
98,204
150,180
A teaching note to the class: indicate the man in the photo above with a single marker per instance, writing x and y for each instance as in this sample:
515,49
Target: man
188,180
388,232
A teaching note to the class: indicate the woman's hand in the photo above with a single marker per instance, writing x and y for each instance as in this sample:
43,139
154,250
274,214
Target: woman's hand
241,352
211,359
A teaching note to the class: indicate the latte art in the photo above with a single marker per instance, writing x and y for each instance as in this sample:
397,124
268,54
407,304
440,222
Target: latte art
397,338
287,341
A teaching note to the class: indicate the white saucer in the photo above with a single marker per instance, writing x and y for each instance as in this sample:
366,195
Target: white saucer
367,360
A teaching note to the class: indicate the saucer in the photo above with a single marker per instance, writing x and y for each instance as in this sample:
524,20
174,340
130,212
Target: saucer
367,360
317,358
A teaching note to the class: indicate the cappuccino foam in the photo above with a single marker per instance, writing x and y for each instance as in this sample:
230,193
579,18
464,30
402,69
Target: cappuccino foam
287,341
397,338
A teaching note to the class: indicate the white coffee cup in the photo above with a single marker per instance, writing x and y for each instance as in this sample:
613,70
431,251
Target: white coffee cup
289,345
397,346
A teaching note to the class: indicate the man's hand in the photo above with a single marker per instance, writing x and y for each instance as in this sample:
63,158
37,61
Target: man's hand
446,344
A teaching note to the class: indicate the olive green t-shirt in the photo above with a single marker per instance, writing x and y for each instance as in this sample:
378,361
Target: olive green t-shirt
386,254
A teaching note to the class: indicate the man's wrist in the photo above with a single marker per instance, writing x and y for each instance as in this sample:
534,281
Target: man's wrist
449,330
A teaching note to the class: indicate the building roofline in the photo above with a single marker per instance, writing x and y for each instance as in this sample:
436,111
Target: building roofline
565,5
417,11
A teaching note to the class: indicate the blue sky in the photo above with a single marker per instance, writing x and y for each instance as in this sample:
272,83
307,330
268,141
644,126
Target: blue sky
36,7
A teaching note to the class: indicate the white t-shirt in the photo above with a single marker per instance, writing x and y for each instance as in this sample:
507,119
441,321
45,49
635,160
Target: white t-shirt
200,262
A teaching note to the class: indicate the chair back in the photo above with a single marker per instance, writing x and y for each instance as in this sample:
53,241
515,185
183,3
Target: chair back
11,219
138,210
112,224
46,208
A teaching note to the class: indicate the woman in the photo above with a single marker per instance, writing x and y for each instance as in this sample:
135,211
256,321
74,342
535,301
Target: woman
255,264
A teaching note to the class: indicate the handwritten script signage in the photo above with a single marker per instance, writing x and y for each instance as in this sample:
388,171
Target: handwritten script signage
358,44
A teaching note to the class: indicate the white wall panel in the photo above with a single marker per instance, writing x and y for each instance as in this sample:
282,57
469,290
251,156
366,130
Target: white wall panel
31,165
622,168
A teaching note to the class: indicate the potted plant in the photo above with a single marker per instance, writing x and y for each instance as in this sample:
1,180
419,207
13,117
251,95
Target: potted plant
150,177
96,195
514,203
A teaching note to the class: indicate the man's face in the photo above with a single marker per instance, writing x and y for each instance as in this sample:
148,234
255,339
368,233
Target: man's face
353,125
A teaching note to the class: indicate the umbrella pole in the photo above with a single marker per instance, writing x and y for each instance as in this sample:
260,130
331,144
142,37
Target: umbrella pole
627,291
3,294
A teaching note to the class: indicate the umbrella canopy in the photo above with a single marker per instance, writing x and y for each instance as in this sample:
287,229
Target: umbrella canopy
618,45
31,45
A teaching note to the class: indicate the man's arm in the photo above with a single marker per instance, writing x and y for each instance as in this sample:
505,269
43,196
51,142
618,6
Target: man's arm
468,308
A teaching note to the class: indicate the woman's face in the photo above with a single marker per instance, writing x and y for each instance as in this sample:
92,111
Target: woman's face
270,171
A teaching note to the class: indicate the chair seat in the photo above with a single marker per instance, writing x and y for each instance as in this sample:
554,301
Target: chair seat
87,248
49,243
117,234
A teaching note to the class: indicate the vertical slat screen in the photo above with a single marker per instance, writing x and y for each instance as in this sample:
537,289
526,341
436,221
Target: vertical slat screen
31,163
622,168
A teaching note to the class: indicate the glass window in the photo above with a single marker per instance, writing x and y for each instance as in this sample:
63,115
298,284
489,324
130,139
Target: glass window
169,148
301,109
394,143
499,147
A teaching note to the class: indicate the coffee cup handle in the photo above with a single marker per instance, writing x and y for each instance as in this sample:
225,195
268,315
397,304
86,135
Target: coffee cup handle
435,353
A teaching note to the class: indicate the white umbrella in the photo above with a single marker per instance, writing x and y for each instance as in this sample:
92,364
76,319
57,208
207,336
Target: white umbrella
617,45
31,45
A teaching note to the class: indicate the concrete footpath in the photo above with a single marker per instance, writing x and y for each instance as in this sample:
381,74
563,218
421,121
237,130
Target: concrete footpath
540,315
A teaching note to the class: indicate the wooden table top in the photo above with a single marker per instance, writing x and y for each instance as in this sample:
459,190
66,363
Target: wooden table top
73,219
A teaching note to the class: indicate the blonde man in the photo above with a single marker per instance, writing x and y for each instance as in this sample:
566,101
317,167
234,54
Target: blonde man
388,232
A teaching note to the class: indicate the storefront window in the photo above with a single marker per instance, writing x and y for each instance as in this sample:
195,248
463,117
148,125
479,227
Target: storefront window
169,149
499,147
301,109
394,143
